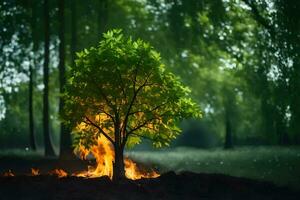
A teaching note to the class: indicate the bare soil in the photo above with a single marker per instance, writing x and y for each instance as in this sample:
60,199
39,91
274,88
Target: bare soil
185,185
168,186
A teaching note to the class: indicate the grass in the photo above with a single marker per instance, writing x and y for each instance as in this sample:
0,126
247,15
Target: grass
280,165
21,153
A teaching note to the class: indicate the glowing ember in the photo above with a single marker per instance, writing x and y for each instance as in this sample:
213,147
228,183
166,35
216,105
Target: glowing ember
35,172
60,173
104,155
8,173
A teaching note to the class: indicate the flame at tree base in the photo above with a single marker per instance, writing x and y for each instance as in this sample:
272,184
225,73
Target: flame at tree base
104,154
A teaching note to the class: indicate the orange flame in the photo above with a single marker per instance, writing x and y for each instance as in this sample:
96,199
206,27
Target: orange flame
8,173
60,173
35,172
133,172
104,155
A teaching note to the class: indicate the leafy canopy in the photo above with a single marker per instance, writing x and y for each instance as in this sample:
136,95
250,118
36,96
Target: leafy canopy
121,89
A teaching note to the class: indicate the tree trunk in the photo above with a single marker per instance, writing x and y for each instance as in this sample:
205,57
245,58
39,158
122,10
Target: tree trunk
49,151
228,132
30,109
73,32
31,82
281,131
65,136
118,165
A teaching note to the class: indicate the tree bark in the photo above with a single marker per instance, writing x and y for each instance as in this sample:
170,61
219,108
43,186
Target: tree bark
49,151
118,165
228,132
73,32
31,82
281,130
65,136
30,109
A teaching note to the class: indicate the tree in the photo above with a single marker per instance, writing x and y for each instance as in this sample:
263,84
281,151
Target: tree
49,151
282,41
73,31
31,81
121,90
65,141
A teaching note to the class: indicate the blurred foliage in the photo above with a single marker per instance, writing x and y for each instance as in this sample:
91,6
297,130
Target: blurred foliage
238,56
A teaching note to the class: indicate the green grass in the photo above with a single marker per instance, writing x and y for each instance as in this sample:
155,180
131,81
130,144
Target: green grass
276,164
280,165
21,153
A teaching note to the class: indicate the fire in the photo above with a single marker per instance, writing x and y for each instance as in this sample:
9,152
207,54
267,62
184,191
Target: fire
60,173
35,172
8,173
133,172
104,155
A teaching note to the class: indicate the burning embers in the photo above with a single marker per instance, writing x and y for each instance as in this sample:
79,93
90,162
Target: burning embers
104,154
8,173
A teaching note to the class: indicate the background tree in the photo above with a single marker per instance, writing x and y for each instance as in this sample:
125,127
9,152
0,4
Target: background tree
31,72
144,101
49,151
65,138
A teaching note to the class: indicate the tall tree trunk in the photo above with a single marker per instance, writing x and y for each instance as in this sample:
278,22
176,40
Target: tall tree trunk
73,32
65,136
31,82
228,131
281,130
30,110
49,151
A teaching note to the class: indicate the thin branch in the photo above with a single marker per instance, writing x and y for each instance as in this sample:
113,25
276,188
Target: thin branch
112,118
105,97
99,128
141,125
132,101
149,111
122,83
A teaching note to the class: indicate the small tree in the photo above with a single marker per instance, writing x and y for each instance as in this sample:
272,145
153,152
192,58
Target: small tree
121,89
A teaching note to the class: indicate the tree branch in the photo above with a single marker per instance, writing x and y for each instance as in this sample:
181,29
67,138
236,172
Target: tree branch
135,93
122,84
99,128
149,111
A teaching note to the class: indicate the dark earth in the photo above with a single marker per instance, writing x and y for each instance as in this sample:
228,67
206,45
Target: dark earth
168,186
185,185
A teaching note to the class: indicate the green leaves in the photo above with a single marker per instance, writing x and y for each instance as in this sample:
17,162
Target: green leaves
124,89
